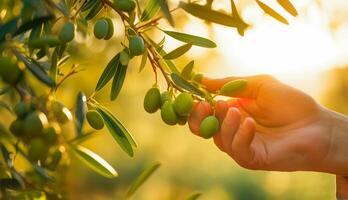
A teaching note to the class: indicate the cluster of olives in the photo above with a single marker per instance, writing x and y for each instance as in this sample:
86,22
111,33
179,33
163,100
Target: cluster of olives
103,28
10,71
40,132
177,111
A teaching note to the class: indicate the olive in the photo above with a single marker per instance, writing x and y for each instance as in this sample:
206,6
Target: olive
35,123
51,133
197,78
124,58
101,28
61,113
152,100
38,150
125,5
233,87
168,114
209,126
53,160
17,127
95,120
67,33
23,108
182,120
110,29
165,96
9,71
44,41
183,104
136,45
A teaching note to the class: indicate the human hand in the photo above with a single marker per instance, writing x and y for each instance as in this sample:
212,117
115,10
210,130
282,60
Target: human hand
272,126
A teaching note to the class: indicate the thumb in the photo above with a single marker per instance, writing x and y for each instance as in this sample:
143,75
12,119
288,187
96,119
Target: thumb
251,90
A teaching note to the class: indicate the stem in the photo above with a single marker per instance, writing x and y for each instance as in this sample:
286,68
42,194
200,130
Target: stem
121,14
154,21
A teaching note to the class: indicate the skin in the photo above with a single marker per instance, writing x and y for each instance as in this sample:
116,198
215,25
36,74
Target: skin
272,126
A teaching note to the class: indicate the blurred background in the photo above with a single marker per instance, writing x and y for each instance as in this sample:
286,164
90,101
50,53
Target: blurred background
310,54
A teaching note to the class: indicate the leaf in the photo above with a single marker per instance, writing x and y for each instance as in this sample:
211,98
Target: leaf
237,17
268,10
108,73
117,130
54,65
143,60
194,40
83,137
36,69
6,156
94,161
118,81
166,12
178,52
5,106
89,4
151,9
181,82
80,111
288,6
210,15
142,178
194,196
94,10
10,183
186,72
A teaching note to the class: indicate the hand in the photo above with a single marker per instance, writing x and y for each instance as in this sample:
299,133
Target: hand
271,126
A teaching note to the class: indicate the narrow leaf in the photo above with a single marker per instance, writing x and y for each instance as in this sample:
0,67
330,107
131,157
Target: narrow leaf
118,81
94,10
35,69
89,4
151,9
139,181
236,16
288,6
143,60
94,161
108,73
207,14
194,196
117,130
6,156
54,65
181,82
166,12
194,40
80,113
186,72
178,52
268,10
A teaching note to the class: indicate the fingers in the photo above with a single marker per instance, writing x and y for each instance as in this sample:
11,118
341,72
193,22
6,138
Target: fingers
229,127
251,90
199,111
242,151
221,108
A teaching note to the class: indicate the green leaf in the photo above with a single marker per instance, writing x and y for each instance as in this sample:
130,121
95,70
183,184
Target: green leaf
143,60
83,137
6,156
181,82
117,130
94,161
194,196
142,178
166,12
210,15
94,10
54,65
186,72
35,68
10,183
288,6
89,4
268,10
151,9
236,16
194,40
108,73
118,81
178,52
80,113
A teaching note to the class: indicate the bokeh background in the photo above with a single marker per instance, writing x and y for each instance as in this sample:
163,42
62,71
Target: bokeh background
310,54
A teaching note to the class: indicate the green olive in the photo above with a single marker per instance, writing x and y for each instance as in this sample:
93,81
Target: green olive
53,160
101,28
209,126
67,33
17,127
9,71
110,29
136,45
38,150
164,97
124,58
152,100
35,123
197,78
233,87
23,108
51,133
182,120
95,120
125,5
168,114
44,41
183,104
61,113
